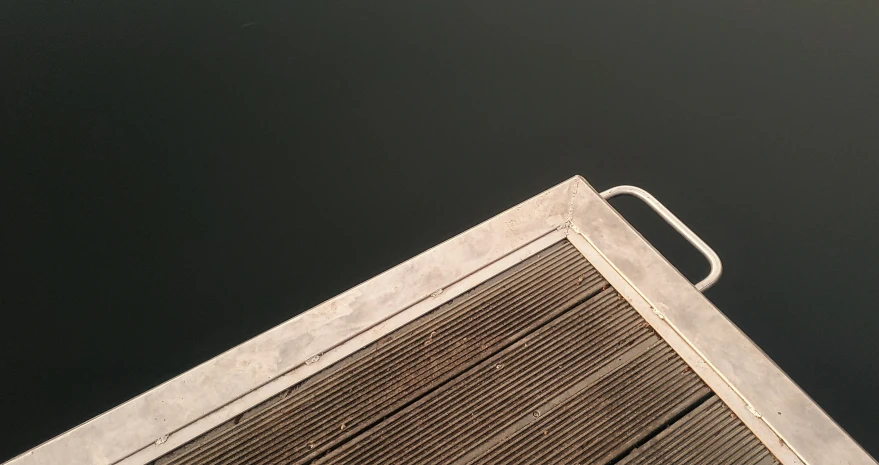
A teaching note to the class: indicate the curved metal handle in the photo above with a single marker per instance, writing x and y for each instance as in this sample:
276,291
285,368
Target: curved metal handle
678,225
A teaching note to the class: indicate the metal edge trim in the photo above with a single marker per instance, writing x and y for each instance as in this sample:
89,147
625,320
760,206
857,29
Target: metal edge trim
279,384
182,408
730,363
680,345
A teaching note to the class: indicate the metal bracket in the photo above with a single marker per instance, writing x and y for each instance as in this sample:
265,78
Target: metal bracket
679,226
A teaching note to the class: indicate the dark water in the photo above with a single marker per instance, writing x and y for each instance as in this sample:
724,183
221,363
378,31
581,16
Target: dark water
179,177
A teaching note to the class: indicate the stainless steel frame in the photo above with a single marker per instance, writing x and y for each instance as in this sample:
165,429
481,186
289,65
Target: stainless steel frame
792,426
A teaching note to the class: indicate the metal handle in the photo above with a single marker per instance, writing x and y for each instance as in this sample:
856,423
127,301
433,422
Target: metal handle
678,225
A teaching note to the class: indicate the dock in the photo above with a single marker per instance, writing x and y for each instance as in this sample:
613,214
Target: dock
553,333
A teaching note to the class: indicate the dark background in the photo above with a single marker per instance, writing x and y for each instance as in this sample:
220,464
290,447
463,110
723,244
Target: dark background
180,176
